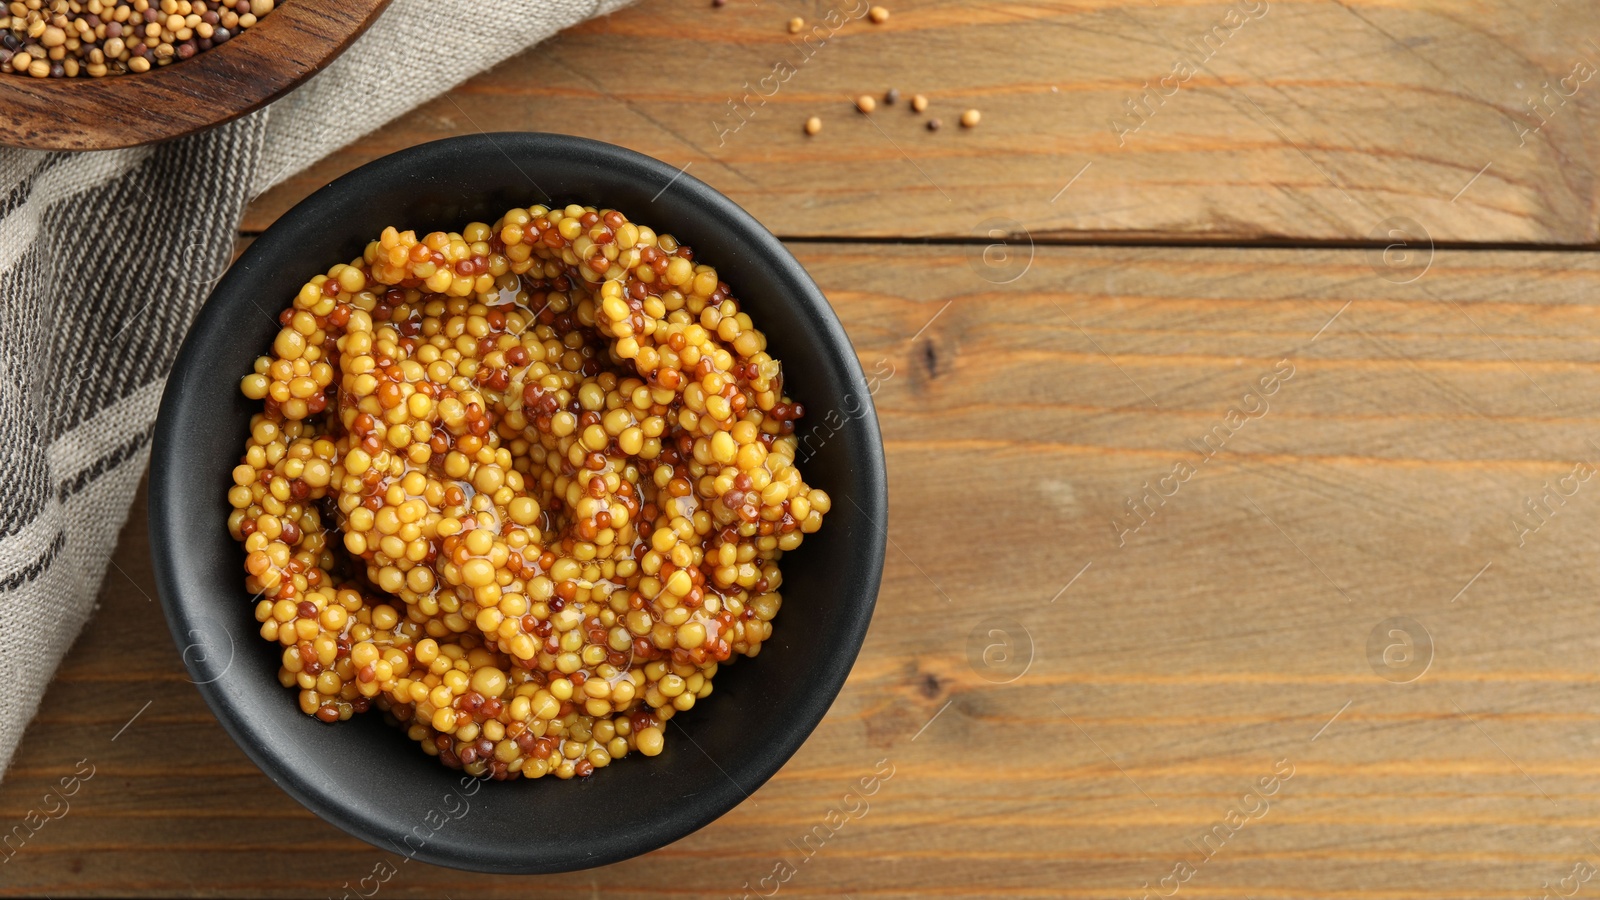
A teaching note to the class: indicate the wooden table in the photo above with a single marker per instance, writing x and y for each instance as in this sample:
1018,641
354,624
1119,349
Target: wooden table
1240,443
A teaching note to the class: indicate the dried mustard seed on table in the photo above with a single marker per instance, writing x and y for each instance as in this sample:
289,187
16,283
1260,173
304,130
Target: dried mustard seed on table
524,488
95,38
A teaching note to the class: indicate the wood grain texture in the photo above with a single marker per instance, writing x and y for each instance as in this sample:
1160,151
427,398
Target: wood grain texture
217,86
1288,120
1168,675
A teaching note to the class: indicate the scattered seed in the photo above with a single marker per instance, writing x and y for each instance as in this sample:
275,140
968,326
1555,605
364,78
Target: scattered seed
865,103
719,3
813,125
878,15
918,103
934,124
891,95
795,24
970,118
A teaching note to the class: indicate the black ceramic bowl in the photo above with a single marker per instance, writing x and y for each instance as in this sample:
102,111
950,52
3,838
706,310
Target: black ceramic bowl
367,777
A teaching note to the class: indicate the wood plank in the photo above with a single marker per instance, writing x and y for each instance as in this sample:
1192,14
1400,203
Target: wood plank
1306,121
1168,675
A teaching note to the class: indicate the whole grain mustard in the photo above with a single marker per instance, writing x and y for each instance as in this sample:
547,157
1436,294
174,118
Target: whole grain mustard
523,487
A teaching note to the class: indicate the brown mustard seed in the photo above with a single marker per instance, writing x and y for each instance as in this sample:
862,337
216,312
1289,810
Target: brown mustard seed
891,95
795,24
865,103
96,38
878,15
813,125
970,118
530,530
934,124
918,103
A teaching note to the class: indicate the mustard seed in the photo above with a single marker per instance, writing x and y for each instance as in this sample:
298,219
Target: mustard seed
934,124
890,96
865,103
878,15
795,24
970,118
813,125
97,38
918,103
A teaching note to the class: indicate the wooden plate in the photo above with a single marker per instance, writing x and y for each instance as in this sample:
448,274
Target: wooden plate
282,50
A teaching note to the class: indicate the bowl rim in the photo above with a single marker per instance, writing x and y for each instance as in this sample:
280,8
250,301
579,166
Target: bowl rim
186,613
